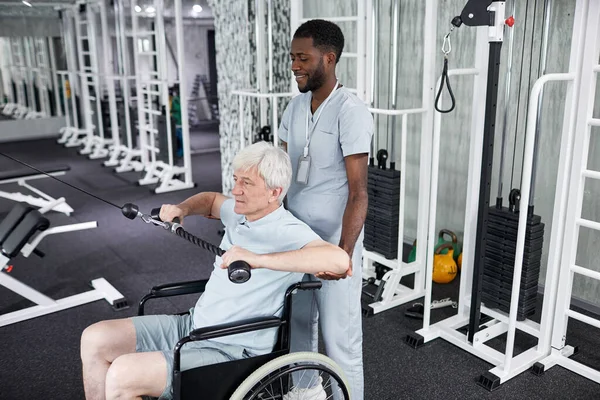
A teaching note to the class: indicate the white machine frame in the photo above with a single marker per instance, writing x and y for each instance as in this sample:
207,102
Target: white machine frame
74,132
395,293
19,107
97,76
45,201
46,305
158,172
124,156
362,6
569,221
263,92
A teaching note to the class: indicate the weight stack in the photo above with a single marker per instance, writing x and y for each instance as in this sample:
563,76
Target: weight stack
105,116
500,250
381,225
263,135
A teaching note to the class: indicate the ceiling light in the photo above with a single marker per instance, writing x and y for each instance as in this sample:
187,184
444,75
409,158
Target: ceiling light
197,8
28,4
138,9
150,9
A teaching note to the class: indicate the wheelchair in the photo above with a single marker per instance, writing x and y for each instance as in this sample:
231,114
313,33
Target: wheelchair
263,377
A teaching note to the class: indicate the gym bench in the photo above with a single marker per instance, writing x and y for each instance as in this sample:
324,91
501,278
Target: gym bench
19,226
45,201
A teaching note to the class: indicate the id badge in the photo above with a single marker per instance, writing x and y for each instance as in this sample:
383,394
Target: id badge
303,168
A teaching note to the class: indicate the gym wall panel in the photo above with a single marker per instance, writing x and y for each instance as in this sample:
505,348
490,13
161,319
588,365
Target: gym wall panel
236,69
29,129
281,63
195,34
5,77
195,49
233,69
30,26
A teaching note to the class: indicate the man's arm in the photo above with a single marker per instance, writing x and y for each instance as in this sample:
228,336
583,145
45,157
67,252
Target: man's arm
358,201
207,204
314,257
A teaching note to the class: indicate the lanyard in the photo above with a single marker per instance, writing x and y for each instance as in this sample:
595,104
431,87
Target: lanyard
309,133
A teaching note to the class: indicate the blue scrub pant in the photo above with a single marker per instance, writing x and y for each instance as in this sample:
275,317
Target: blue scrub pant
336,310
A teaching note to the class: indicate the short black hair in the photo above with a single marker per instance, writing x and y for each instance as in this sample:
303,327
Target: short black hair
326,36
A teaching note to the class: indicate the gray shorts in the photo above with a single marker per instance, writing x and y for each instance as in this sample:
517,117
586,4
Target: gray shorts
162,332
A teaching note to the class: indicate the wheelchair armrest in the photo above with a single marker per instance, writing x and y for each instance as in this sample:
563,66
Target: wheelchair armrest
179,288
230,328
172,289
235,327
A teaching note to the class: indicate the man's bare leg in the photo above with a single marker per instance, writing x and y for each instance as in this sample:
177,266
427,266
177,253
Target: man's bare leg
131,376
101,344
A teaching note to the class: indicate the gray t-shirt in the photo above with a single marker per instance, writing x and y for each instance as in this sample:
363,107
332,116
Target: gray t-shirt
262,295
345,127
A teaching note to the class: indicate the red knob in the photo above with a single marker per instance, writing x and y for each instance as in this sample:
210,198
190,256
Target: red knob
510,21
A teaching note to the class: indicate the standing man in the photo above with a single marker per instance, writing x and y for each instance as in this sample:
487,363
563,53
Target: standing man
327,132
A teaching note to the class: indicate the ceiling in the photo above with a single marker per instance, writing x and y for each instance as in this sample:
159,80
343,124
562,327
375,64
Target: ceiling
48,8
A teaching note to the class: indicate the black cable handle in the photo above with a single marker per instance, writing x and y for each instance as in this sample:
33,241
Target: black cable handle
447,82
182,233
238,271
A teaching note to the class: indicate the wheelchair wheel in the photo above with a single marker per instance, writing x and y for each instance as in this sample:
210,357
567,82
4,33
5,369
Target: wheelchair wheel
274,379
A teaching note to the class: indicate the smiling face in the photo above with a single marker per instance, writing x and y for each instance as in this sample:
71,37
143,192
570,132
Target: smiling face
252,196
311,67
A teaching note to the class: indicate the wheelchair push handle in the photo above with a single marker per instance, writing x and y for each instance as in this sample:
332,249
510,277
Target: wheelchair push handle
238,271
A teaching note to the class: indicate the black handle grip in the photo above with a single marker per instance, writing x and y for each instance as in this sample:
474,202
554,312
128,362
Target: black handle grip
155,214
310,285
239,271
382,156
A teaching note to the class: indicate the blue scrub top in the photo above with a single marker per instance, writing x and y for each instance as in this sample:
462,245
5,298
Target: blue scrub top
345,127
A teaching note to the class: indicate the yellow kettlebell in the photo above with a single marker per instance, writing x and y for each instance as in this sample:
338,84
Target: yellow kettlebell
460,262
67,89
444,266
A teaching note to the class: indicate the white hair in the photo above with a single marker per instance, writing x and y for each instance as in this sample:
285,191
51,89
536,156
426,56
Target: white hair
273,165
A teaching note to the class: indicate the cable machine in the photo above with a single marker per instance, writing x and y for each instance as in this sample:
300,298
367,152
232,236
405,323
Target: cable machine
157,132
383,265
479,317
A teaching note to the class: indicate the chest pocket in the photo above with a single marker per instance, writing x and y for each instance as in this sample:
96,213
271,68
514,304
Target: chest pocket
325,147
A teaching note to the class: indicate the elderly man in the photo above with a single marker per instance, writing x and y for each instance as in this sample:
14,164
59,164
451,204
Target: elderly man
128,358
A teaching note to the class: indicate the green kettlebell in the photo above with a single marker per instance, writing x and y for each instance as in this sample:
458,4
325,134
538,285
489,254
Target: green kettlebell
412,256
453,241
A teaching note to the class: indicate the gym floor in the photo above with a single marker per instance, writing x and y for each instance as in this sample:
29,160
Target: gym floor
40,357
